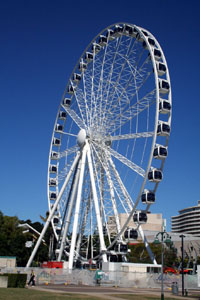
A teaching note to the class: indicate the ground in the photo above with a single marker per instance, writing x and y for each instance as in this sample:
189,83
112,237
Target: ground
60,292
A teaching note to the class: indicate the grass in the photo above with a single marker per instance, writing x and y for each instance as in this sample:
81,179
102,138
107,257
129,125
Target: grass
140,297
24,294
31,294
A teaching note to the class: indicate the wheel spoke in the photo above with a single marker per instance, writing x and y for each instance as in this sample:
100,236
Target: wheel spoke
128,163
75,117
127,115
131,136
69,151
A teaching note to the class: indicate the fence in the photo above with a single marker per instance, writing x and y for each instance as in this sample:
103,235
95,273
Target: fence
110,278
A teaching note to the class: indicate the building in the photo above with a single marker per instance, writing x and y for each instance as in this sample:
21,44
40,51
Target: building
7,262
188,221
154,222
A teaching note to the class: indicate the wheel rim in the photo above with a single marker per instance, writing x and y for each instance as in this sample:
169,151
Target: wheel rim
114,109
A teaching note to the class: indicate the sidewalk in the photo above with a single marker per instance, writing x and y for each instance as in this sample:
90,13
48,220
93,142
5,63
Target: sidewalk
109,292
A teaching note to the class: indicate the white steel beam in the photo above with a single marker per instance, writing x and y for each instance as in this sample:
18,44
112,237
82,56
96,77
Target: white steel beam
131,136
147,245
127,162
77,208
123,189
74,117
112,194
96,204
67,222
53,211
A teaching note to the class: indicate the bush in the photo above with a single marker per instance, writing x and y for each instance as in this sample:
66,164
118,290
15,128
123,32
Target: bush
16,280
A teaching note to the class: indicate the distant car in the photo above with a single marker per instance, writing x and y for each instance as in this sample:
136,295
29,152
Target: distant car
169,270
187,271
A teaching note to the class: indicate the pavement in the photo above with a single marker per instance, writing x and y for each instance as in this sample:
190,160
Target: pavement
109,292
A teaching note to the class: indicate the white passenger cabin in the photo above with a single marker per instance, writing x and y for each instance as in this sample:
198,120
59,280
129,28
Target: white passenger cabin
140,217
160,152
148,197
155,175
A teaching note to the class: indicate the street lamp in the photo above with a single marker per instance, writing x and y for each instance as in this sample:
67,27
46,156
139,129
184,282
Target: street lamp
164,238
182,261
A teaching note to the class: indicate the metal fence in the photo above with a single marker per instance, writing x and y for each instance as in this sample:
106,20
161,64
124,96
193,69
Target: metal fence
110,278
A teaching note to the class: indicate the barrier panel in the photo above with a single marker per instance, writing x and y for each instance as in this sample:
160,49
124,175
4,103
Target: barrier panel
110,278
3,281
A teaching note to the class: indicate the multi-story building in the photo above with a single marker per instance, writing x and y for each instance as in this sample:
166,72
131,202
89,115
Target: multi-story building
154,222
188,221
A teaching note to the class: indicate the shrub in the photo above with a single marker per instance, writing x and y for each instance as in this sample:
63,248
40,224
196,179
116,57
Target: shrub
16,280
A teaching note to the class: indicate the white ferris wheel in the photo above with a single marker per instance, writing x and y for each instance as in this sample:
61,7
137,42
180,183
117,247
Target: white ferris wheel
109,145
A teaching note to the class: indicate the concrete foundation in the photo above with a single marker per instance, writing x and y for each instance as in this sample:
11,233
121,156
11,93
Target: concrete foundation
3,281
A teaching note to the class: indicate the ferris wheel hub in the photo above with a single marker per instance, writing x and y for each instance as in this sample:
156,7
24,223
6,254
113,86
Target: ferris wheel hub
81,137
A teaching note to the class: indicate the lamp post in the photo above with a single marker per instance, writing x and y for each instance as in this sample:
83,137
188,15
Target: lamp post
182,261
164,238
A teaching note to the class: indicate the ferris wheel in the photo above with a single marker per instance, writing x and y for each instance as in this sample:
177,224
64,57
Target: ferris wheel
109,144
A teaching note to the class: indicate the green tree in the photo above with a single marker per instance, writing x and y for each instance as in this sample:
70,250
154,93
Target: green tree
139,254
12,240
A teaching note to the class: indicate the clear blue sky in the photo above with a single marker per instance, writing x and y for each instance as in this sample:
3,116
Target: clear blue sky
40,43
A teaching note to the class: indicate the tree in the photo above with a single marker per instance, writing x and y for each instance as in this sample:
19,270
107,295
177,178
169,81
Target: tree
139,254
12,240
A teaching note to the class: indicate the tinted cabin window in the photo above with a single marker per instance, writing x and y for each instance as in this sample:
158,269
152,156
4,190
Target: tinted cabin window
57,142
126,234
109,33
155,152
143,197
150,175
166,128
52,182
71,89
151,197
135,218
82,66
103,39
133,234
151,42
142,217
60,128
118,29
158,175
162,67
163,151
123,248
67,102
166,105
54,155
165,85
157,52
96,47
89,55
128,29
77,77
63,114
145,33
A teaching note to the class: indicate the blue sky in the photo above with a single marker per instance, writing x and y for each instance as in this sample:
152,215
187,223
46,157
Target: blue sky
41,42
